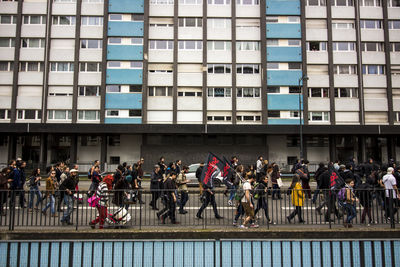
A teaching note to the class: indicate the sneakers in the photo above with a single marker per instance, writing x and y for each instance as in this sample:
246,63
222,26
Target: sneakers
254,226
218,217
318,211
243,227
230,203
43,212
234,223
92,225
288,219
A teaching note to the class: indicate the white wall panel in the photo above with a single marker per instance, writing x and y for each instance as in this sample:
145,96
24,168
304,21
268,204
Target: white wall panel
248,56
395,58
5,102
90,55
161,11
195,117
6,77
9,7
373,58
378,104
245,34
219,56
394,35
7,30
219,11
190,79
161,56
30,78
372,35
128,150
190,33
5,90
161,33
317,57
249,103
219,34
344,80
190,10
396,104
219,80
29,102
31,54
347,117
34,8
371,12
58,31
89,78
374,81
318,104
159,116
347,104
219,103
57,54
30,90
190,56
92,32
315,11
343,12
59,102
248,80
190,103
318,80
7,53
34,30
344,58
57,78
396,81
94,9
89,102
248,11
64,8
160,79
393,13
159,102
343,35
317,34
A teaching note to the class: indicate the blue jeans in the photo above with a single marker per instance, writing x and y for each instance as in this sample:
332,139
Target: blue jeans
32,192
232,192
50,204
351,212
69,202
316,193
276,190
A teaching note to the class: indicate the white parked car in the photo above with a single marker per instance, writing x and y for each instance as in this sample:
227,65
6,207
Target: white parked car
191,176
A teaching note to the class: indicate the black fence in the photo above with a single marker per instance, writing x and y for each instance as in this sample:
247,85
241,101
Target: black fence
377,207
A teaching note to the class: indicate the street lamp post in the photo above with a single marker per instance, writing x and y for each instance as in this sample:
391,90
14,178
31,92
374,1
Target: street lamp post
302,79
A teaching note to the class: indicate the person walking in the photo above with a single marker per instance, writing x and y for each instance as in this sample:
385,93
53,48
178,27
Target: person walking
170,199
155,185
261,191
297,197
209,198
275,175
321,169
34,183
198,176
102,194
4,181
247,204
259,167
68,187
391,194
181,182
51,185
350,203
364,194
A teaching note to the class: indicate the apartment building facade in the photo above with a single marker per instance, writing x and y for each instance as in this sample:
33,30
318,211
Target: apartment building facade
119,79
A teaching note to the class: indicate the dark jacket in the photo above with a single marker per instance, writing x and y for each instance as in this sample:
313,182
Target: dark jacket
120,188
16,176
324,180
154,180
319,172
364,194
3,181
198,173
69,184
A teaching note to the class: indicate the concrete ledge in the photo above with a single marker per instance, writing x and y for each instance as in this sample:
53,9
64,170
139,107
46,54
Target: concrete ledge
168,234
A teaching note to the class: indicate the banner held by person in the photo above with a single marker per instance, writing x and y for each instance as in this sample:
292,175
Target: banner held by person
211,169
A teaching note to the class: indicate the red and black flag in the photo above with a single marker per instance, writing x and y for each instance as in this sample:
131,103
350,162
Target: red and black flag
228,169
336,181
213,166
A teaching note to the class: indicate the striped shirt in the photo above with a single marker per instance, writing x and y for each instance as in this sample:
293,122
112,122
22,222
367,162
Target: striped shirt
102,193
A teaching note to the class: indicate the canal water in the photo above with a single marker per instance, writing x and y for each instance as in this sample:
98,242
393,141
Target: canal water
202,253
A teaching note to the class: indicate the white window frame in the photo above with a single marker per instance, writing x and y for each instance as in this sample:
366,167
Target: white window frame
157,45
352,69
320,3
26,42
9,40
241,90
211,45
226,118
252,45
85,44
81,115
161,2
56,20
390,4
51,114
323,46
351,46
7,114
88,20
376,3
83,67
379,47
248,2
185,94
24,66
348,3
324,116
348,25
27,19
393,47
10,65
353,92
152,90
392,24
227,92
182,22
57,66
242,118
380,69
323,91
64,1
189,2
22,112
112,113
255,67
225,23
216,2
272,42
93,1
83,88
225,66
198,45
13,19
377,23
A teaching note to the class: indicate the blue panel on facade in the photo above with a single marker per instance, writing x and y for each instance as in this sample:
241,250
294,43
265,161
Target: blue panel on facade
283,102
125,28
124,76
23,256
123,101
34,255
125,52
283,121
64,254
77,261
284,54
283,7
126,6
54,255
123,120
284,77
130,252
283,30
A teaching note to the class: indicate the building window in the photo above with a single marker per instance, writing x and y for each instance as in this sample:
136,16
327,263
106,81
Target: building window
33,43
219,68
161,44
394,3
89,90
161,2
371,3
113,88
316,2
294,90
126,17
274,113
91,44
190,22
316,46
219,2
397,116
88,115
7,42
219,92
342,2
272,42
190,94
135,89
112,113
294,42
90,67
190,2
248,118
294,66
190,45
370,24
31,66
395,47
372,47
294,114
8,19
116,160
273,90
248,92
64,1
219,23
6,66
247,2
219,118
125,41
64,20
4,114
344,46
135,113
29,114
345,69
272,66
247,68
91,21
93,1
346,92
160,91
35,19
340,25
62,66
114,140
322,116
318,92
124,65
373,69
59,115
219,46
394,24
247,46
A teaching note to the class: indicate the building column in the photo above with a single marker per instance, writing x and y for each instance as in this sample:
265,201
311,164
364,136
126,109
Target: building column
304,147
43,151
362,150
12,147
103,152
332,148
391,148
73,153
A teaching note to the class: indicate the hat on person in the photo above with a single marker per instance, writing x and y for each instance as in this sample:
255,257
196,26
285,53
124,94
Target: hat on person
156,166
73,170
390,170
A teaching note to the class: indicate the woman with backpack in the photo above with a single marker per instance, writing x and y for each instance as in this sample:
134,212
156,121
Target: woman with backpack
297,197
34,183
275,175
350,203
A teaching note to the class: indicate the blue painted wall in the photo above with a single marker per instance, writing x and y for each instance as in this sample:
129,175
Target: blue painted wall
284,77
125,52
124,76
284,121
284,102
283,30
126,6
123,101
125,28
283,7
123,120
284,54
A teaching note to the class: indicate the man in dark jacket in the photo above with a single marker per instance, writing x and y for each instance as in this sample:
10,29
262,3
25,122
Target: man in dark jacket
17,184
4,181
170,199
155,182
321,169
198,176
68,186
329,197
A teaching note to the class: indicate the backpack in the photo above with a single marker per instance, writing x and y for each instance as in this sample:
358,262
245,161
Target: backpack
128,178
239,192
341,195
108,179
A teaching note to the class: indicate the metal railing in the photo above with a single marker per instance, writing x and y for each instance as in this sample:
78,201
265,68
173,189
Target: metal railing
327,211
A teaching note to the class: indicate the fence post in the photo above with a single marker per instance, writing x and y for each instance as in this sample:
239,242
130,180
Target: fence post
391,207
77,208
140,213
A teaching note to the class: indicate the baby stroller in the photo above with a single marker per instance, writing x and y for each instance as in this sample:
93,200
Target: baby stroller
118,219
